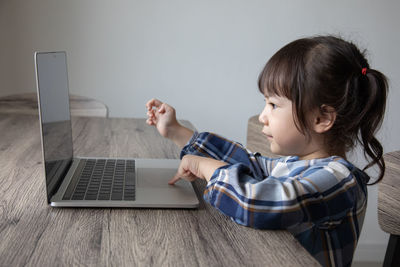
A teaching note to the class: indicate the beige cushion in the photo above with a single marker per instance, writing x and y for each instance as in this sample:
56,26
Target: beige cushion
256,140
389,195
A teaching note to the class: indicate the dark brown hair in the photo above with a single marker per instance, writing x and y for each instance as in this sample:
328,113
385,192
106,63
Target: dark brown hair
327,70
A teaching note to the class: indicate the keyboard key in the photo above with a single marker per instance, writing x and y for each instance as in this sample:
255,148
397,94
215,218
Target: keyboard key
103,180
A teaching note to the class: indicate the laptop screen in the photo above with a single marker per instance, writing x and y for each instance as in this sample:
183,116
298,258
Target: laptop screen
53,95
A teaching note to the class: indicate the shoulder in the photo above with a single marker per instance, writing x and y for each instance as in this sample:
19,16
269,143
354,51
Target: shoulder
317,174
328,173
291,165
336,166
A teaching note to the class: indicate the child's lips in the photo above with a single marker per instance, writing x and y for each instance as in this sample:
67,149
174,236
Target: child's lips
267,135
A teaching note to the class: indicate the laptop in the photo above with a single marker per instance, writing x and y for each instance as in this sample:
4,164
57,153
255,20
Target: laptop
90,181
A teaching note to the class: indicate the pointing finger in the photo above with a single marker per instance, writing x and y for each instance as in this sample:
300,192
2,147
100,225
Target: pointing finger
174,179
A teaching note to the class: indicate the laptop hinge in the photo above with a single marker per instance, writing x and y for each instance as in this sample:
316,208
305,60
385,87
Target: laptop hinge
61,173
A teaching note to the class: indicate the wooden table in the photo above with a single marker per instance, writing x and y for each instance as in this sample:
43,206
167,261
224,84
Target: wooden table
35,234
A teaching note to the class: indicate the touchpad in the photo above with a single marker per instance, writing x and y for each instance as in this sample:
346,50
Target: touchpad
154,177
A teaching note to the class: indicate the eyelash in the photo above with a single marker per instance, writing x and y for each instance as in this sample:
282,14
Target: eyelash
274,106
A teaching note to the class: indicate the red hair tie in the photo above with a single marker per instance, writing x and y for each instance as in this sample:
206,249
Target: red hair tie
364,71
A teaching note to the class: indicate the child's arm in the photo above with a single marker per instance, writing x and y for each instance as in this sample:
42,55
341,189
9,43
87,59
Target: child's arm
216,147
163,117
193,167
267,193
323,195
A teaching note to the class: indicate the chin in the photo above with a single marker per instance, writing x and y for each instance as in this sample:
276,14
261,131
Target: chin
275,150
278,151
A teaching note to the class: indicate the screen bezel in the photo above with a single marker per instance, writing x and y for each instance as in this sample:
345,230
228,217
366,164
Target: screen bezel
51,188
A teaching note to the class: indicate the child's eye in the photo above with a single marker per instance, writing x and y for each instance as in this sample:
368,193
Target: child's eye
273,105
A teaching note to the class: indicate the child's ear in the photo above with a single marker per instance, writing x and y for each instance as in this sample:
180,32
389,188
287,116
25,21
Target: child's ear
324,119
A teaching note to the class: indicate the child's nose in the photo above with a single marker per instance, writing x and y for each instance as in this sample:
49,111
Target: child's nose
263,118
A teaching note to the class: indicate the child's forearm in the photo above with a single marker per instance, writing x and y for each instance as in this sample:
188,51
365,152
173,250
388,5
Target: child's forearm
207,167
180,135
193,167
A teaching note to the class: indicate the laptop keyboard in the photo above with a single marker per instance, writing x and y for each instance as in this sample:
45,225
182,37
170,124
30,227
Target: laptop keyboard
102,179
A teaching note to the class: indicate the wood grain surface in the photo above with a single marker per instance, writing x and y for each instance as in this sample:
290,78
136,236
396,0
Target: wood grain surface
35,234
389,195
26,103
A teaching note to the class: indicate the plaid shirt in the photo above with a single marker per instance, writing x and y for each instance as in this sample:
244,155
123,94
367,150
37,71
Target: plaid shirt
322,202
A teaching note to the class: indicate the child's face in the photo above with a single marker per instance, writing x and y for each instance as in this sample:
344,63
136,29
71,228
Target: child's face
280,129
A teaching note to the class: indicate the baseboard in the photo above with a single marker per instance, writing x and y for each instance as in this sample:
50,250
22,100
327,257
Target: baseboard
370,253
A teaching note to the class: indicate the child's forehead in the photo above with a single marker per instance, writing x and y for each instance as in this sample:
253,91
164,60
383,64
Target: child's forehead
269,93
273,95
273,91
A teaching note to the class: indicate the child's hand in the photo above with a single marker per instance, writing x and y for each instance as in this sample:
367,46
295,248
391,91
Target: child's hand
193,167
163,117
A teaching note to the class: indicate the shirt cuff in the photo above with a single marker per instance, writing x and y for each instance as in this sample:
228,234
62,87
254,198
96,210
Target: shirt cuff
188,144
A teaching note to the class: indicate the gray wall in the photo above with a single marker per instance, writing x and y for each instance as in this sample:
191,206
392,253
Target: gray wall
203,57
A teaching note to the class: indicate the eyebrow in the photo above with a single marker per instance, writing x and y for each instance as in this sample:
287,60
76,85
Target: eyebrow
274,98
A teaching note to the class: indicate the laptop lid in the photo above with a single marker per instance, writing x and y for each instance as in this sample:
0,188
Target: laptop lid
55,118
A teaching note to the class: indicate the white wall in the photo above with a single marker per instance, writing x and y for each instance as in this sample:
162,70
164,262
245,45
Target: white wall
203,57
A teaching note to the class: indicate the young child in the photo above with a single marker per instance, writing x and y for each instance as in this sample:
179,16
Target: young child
322,98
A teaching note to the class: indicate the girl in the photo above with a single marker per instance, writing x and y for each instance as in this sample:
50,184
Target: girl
322,98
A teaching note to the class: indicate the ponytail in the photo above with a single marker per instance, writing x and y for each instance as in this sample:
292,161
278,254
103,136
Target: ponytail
371,117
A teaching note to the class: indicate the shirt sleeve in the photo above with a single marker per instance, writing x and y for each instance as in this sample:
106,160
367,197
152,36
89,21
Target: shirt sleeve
269,194
211,145
318,196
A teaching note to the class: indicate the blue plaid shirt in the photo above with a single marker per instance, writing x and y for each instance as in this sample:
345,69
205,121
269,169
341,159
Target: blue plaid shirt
322,202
